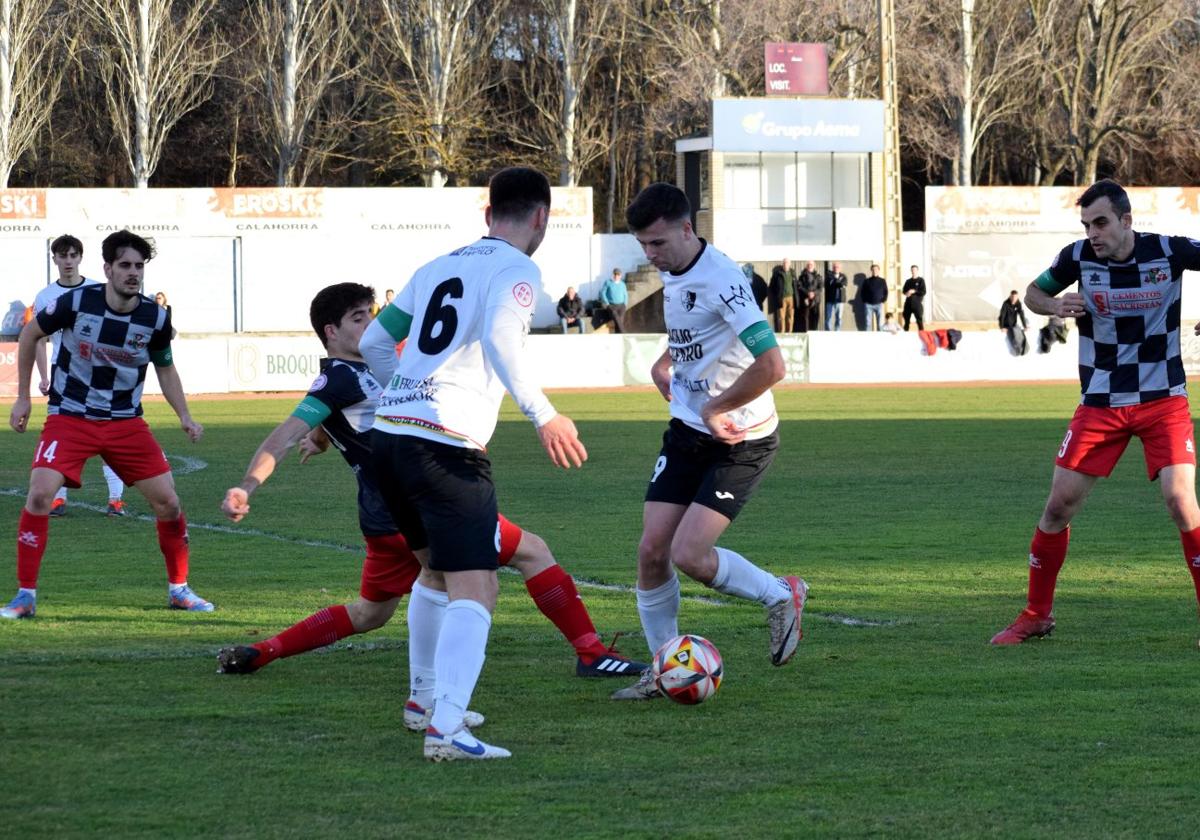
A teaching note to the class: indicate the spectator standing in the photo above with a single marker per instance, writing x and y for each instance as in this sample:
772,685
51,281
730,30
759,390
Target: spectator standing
614,296
874,294
914,299
835,296
808,298
758,286
1010,313
783,296
570,311
890,325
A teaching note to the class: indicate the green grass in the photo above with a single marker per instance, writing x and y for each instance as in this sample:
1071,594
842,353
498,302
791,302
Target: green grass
908,507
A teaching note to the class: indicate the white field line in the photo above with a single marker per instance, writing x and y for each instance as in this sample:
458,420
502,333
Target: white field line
583,583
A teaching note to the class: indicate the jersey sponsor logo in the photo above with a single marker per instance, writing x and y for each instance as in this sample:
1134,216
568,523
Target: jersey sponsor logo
268,202
138,341
687,353
85,350
1157,275
523,293
737,295
680,336
113,356
22,204
689,301
474,250
319,383
1100,301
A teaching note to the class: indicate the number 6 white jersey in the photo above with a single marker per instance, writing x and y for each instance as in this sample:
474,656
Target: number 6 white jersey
445,386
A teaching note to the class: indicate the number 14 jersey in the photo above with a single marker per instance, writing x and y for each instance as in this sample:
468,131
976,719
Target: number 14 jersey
445,388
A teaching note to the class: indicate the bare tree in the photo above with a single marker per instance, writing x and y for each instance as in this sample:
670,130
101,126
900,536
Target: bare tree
302,48
436,74
31,74
156,59
1097,57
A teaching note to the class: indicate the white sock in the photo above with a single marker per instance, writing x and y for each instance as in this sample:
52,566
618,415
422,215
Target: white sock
425,610
659,610
61,494
739,577
462,647
115,486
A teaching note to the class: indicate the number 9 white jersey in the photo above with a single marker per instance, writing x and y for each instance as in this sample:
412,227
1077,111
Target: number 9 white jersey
445,388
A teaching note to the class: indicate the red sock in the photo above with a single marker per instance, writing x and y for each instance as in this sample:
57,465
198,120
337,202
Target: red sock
173,542
1046,555
1191,553
323,627
556,596
32,531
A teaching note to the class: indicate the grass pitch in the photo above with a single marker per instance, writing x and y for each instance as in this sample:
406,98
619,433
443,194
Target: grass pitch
908,510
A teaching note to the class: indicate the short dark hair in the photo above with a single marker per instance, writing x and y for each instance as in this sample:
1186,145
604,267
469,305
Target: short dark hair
65,243
1110,189
333,302
114,243
515,192
658,201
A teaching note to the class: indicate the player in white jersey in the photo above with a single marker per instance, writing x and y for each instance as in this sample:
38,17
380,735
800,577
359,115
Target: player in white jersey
468,313
720,364
66,252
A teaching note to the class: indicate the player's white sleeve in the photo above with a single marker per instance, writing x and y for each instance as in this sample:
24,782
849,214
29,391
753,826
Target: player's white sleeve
504,344
378,348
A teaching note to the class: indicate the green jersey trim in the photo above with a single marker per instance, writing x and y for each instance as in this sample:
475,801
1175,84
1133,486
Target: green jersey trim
162,358
312,411
758,338
395,321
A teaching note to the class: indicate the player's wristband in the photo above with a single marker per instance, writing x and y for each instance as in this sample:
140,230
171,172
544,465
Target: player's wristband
758,338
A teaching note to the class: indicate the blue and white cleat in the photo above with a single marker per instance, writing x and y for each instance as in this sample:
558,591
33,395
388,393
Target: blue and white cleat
459,745
185,599
23,606
417,718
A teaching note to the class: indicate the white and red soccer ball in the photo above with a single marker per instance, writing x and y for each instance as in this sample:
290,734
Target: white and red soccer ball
688,669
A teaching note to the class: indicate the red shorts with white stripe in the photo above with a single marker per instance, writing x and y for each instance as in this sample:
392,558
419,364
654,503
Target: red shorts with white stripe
126,445
390,569
1097,437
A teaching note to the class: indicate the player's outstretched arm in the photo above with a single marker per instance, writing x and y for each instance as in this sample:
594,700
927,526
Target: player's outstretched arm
172,388
561,441
26,351
755,380
270,452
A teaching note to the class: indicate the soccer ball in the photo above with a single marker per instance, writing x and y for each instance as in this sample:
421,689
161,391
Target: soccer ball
688,669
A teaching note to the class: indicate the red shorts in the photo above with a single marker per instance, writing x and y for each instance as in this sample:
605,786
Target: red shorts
125,445
1097,437
390,569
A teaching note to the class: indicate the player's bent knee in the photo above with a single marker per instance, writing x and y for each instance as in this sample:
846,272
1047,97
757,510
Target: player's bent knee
370,615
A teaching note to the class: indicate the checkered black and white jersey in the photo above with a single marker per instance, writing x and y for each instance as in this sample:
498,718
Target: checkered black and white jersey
101,364
1129,339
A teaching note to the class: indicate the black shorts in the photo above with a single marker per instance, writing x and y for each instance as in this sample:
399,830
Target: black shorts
693,467
441,498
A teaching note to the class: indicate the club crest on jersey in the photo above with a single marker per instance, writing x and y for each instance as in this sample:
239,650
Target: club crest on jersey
139,341
523,292
1157,275
319,383
689,301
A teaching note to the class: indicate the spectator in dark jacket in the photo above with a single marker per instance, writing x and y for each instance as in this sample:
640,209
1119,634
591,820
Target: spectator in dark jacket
874,295
835,296
758,286
1010,313
570,311
808,298
914,299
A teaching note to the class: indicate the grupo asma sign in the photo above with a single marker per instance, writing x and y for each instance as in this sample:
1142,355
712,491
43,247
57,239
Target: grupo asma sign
797,125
